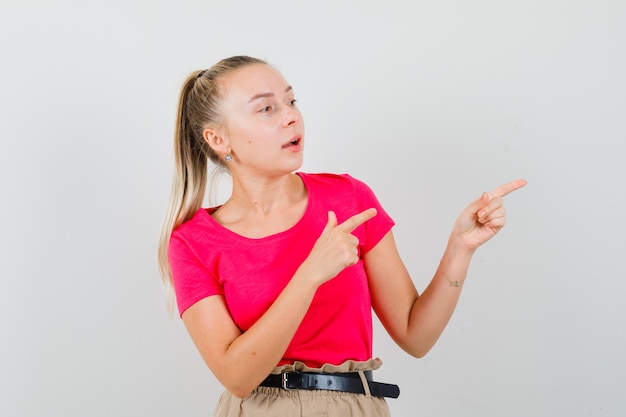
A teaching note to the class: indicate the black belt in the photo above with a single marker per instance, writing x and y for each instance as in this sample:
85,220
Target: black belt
347,382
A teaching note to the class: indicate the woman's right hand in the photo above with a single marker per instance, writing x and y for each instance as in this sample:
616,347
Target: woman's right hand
336,248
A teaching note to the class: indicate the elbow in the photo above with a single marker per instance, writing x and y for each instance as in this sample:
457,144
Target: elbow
419,354
239,380
417,350
240,392
239,387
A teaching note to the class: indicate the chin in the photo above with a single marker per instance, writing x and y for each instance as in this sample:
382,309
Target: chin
294,162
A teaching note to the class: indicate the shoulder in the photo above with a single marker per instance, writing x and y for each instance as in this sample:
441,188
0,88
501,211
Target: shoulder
191,226
197,231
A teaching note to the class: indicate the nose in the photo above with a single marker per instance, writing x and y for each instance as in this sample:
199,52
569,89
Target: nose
292,115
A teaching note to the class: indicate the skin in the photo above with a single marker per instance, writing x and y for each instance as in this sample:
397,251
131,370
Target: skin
259,118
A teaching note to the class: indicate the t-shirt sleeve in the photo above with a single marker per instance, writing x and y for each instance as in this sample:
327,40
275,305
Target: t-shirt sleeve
378,226
191,277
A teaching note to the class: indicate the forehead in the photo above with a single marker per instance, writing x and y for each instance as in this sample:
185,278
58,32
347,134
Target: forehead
244,83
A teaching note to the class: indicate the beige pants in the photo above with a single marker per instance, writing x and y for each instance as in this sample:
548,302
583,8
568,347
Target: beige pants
277,402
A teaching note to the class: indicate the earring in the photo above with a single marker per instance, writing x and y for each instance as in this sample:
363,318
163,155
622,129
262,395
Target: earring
228,158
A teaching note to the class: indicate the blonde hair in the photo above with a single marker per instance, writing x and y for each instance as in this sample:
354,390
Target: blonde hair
198,107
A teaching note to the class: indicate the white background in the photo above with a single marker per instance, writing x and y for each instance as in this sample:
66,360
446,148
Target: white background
429,102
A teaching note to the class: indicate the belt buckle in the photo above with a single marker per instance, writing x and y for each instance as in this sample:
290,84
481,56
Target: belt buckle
285,380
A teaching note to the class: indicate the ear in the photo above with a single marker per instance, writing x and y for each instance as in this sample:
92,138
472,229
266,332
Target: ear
216,140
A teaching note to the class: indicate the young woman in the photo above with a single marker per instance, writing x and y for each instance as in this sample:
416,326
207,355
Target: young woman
276,286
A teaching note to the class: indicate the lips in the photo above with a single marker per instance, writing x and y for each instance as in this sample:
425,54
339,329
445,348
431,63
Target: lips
295,141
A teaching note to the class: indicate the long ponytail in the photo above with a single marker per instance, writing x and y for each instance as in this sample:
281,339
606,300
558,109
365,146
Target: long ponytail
198,107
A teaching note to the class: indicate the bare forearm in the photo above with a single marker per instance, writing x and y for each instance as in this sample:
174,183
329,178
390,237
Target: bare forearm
432,310
253,355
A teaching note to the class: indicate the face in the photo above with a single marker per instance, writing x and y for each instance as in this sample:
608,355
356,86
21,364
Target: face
262,128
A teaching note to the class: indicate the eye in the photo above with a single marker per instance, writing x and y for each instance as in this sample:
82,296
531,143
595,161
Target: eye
265,109
293,102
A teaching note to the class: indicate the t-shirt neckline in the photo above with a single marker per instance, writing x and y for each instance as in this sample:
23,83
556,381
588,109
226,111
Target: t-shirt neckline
215,223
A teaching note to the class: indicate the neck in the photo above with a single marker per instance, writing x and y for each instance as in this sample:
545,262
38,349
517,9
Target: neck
264,195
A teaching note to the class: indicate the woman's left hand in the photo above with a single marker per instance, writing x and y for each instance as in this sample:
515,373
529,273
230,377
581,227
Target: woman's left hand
483,218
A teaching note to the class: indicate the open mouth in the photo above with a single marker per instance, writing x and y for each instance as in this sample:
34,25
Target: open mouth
296,141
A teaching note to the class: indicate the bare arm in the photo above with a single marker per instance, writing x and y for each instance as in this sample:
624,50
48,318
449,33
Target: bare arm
240,361
415,321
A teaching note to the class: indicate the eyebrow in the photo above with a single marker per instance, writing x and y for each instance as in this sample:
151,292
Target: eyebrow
263,95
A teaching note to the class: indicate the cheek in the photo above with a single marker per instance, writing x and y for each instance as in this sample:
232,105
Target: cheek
251,133
239,132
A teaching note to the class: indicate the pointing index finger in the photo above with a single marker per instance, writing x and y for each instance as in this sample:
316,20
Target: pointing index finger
505,189
358,219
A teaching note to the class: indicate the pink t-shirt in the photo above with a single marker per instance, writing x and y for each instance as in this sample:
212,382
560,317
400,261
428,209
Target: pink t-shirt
207,259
